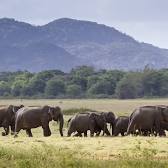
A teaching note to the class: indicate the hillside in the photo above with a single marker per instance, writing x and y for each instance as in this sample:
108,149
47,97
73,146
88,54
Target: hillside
66,43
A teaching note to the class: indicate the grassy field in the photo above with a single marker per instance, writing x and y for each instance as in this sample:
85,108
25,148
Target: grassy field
55,151
121,107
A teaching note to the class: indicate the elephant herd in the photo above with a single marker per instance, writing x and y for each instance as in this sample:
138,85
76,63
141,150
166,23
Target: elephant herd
145,120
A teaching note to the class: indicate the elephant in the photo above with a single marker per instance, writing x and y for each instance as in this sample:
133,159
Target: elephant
109,118
148,118
121,125
27,119
7,118
82,122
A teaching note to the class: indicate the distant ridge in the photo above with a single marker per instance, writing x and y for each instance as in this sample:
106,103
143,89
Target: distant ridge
66,43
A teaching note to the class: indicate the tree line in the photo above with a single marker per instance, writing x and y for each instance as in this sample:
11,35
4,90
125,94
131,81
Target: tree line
85,82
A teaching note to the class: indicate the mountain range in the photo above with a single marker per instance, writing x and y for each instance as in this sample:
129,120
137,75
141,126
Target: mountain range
66,43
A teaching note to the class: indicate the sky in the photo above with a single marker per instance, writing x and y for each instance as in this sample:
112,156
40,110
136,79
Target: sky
145,20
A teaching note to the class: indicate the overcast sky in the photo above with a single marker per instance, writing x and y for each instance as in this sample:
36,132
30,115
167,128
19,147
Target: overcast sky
145,20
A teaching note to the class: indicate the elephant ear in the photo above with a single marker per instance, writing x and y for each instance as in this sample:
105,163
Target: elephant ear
57,109
92,116
46,109
10,109
51,112
96,117
161,108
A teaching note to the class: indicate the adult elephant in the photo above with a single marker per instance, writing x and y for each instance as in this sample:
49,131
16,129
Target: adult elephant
7,118
83,122
110,119
32,118
148,118
121,125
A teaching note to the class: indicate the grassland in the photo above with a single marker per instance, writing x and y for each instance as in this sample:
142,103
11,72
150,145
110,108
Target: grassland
55,151
121,107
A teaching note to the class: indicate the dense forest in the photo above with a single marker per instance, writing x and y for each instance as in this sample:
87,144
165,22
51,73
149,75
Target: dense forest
85,82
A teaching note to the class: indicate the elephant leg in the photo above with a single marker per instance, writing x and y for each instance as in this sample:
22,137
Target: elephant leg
98,133
12,129
162,133
106,131
116,132
70,131
91,132
6,129
144,133
16,132
80,134
46,131
29,133
157,127
85,134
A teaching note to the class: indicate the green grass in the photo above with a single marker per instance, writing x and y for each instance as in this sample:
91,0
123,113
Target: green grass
55,151
82,152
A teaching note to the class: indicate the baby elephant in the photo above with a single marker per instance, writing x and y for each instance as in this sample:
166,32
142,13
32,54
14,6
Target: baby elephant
120,126
27,119
83,122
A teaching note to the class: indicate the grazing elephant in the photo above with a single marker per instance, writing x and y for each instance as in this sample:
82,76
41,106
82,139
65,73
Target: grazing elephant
7,118
32,118
148,118
121,125
83,122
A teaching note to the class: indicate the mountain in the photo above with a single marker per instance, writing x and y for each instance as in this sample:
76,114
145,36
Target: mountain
66,43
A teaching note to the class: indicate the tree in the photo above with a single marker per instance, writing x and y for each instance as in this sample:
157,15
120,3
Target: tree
80,76
16,88
36,86
151,82
4,88
100,87
73,90
163,83
55,87
129,87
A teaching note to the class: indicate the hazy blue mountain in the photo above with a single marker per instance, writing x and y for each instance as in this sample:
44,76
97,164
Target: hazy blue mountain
66,43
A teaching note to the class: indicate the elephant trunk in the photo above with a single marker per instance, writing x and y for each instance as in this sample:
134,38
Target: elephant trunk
112,127
61,124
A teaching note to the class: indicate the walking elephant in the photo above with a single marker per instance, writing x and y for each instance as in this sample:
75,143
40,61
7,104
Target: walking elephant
83,122
27,119
148,118
7,118
109,118
121,125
